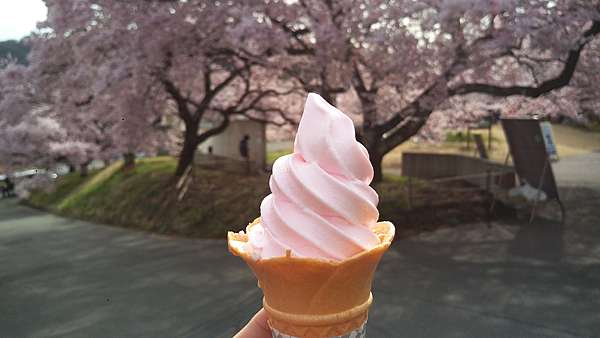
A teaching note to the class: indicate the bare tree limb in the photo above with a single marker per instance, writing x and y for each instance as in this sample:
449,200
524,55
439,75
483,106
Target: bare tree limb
559,81
182,108
213,131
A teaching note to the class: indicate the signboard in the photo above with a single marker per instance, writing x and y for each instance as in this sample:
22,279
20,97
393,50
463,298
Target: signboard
549,140
530,158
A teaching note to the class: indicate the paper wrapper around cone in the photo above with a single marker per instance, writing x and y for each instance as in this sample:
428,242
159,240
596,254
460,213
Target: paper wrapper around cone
309,297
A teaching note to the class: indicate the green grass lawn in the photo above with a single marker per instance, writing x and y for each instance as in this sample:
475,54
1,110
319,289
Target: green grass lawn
569,140
273,155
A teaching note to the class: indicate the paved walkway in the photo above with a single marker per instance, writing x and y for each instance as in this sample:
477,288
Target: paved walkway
67,278
582,170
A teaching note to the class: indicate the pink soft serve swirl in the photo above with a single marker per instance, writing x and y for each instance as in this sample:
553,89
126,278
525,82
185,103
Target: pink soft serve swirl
321,205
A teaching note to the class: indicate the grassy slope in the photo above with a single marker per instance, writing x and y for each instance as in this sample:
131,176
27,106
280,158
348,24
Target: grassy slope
88,186
217,201
64,187
145,198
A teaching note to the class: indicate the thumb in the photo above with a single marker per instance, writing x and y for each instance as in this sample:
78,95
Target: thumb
257,327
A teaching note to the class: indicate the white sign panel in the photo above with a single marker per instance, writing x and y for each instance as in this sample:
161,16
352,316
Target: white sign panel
549,139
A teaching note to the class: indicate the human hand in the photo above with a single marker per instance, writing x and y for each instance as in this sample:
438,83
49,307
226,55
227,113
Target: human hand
257,327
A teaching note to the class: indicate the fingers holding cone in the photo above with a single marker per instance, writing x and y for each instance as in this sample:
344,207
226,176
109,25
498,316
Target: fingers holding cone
257,327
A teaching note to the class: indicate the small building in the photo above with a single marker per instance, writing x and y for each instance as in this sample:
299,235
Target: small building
226,144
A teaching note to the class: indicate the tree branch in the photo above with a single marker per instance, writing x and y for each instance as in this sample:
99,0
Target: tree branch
559,81
410,119
357,80
296,35
84,102
213,131
286,119
208,96
207,83
182,108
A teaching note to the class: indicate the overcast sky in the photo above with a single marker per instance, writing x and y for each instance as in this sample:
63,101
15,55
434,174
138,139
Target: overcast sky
19,17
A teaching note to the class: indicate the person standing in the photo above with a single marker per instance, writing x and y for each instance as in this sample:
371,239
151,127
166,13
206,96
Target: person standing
244,151
3,188
9,187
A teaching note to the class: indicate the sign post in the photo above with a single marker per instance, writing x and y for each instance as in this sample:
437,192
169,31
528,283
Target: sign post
529,149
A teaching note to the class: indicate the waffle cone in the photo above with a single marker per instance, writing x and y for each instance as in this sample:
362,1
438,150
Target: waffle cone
309,297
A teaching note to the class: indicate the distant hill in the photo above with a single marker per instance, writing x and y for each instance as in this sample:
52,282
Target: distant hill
15,48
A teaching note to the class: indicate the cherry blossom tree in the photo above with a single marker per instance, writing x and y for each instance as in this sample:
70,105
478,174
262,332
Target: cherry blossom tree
31,133
401,61
111,71
20,130
202,62
227,47
72,68
47,115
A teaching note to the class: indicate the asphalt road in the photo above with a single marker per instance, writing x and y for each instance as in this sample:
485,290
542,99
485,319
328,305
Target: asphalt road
68,278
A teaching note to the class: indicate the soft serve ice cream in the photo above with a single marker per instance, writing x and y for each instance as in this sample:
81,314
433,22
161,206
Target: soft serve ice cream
321,205
316,246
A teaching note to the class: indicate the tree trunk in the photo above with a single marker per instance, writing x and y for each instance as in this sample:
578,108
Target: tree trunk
83,170
186,156
328,96
371,139
72,168
128,160
376,161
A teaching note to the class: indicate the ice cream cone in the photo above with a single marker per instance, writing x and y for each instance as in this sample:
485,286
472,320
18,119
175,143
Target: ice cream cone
309,297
